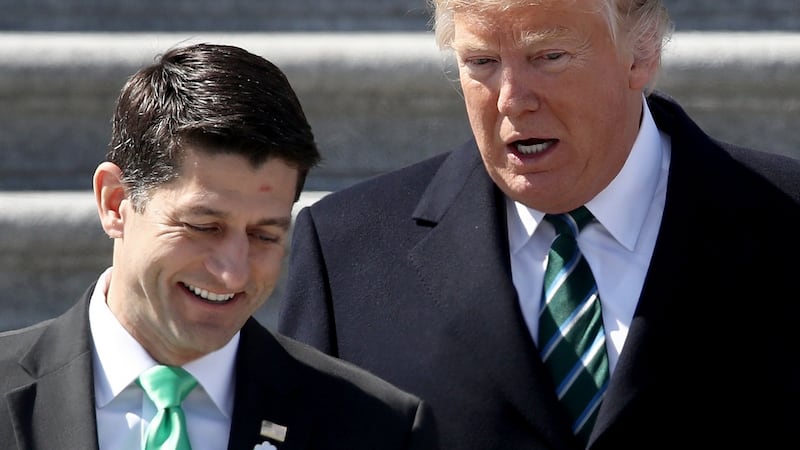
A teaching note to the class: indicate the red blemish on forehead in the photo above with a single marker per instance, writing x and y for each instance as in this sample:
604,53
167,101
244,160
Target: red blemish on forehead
264,188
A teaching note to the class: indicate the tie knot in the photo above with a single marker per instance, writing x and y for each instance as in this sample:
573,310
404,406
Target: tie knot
166,386
571,222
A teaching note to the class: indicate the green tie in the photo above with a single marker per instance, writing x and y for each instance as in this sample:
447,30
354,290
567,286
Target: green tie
167,386
571,336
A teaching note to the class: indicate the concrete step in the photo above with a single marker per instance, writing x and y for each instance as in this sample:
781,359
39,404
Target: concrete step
332,15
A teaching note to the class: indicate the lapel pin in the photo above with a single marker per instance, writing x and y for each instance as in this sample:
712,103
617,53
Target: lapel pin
273,431
265,446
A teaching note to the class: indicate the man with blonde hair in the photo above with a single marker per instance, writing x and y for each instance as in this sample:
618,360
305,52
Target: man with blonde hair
591,270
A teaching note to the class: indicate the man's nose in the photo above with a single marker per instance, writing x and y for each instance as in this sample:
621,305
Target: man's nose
517,92
229,261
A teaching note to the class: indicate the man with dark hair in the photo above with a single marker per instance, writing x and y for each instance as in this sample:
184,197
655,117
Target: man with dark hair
209,151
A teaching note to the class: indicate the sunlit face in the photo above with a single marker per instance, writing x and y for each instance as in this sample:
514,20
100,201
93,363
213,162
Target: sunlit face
203,256
554,104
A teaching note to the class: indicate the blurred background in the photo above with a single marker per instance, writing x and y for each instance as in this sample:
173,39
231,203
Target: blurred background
377,91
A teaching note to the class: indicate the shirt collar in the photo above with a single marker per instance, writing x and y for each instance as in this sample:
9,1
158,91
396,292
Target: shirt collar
119,358
623,205
216,373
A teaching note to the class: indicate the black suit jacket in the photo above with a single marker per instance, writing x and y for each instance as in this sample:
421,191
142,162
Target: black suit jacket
408,276
47,398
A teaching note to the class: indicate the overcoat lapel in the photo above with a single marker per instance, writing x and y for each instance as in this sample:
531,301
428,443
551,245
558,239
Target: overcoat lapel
666,281
56,409
466,246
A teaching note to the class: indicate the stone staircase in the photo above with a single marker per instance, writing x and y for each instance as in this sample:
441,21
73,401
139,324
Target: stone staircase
377,92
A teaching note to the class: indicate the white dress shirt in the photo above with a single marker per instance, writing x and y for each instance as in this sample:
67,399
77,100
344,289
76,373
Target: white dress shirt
124,411
618,248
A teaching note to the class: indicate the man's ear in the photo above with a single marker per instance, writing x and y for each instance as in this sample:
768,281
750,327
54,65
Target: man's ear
643,74
109,194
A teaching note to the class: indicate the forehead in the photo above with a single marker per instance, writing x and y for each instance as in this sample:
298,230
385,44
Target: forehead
525,21
492,14
483,6
233,180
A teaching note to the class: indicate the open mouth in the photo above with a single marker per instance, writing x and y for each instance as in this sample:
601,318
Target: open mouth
533,146
208,296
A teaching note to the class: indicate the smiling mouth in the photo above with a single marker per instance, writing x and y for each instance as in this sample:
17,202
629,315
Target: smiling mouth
533,146
209,296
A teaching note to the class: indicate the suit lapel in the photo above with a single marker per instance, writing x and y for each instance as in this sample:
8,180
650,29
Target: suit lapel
266,381
56,409
464,264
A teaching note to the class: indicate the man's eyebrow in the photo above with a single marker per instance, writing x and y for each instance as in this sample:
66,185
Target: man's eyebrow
524,39
531,37
282,222
201,210
467,45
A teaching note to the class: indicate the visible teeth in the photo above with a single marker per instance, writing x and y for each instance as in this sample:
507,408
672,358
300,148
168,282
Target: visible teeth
210,296
535,148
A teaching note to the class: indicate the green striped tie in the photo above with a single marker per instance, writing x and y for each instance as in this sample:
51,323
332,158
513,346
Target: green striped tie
571,336
167,387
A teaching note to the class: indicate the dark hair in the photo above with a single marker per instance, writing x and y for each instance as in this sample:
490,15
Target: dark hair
215,98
